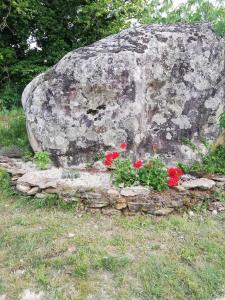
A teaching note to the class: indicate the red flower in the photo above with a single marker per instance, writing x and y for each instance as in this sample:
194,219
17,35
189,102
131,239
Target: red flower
174,172
112,156
123,146
138,164
115,155
173,181
107,163
180,172
108,156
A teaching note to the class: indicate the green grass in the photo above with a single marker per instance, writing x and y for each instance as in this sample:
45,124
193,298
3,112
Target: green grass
13,132
68,254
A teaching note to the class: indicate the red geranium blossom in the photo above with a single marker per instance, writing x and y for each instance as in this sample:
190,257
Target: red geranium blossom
115,155
180,172
173,181
138,164
174,172
107,162
123,146
108,156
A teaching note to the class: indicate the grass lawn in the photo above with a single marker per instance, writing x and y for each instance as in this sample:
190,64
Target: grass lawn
69,255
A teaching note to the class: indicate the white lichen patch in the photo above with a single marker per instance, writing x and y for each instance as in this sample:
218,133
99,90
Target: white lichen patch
159,119
212,103
169,136
182,122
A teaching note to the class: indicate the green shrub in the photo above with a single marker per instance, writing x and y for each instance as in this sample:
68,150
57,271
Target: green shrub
190,11
42,160
9,97
5,186
154,174
13,131
212,163
123,173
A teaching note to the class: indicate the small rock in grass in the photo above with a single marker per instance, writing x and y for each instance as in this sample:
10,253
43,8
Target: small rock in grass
20,272
214,212
191,213
31,295
71,235
72,249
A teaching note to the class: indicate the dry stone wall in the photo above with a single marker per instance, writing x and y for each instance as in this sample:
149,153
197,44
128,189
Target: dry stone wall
94,192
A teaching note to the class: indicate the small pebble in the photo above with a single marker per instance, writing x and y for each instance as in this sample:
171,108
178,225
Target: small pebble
31,295
71,235
72,249
214,212
191,213
20,272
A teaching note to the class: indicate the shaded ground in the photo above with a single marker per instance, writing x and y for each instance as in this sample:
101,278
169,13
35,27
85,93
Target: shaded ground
67,255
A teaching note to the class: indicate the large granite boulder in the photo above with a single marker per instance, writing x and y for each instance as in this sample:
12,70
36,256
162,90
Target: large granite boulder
150,87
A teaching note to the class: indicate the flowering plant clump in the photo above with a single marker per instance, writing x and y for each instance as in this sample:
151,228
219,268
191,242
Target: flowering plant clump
123,173
152,173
